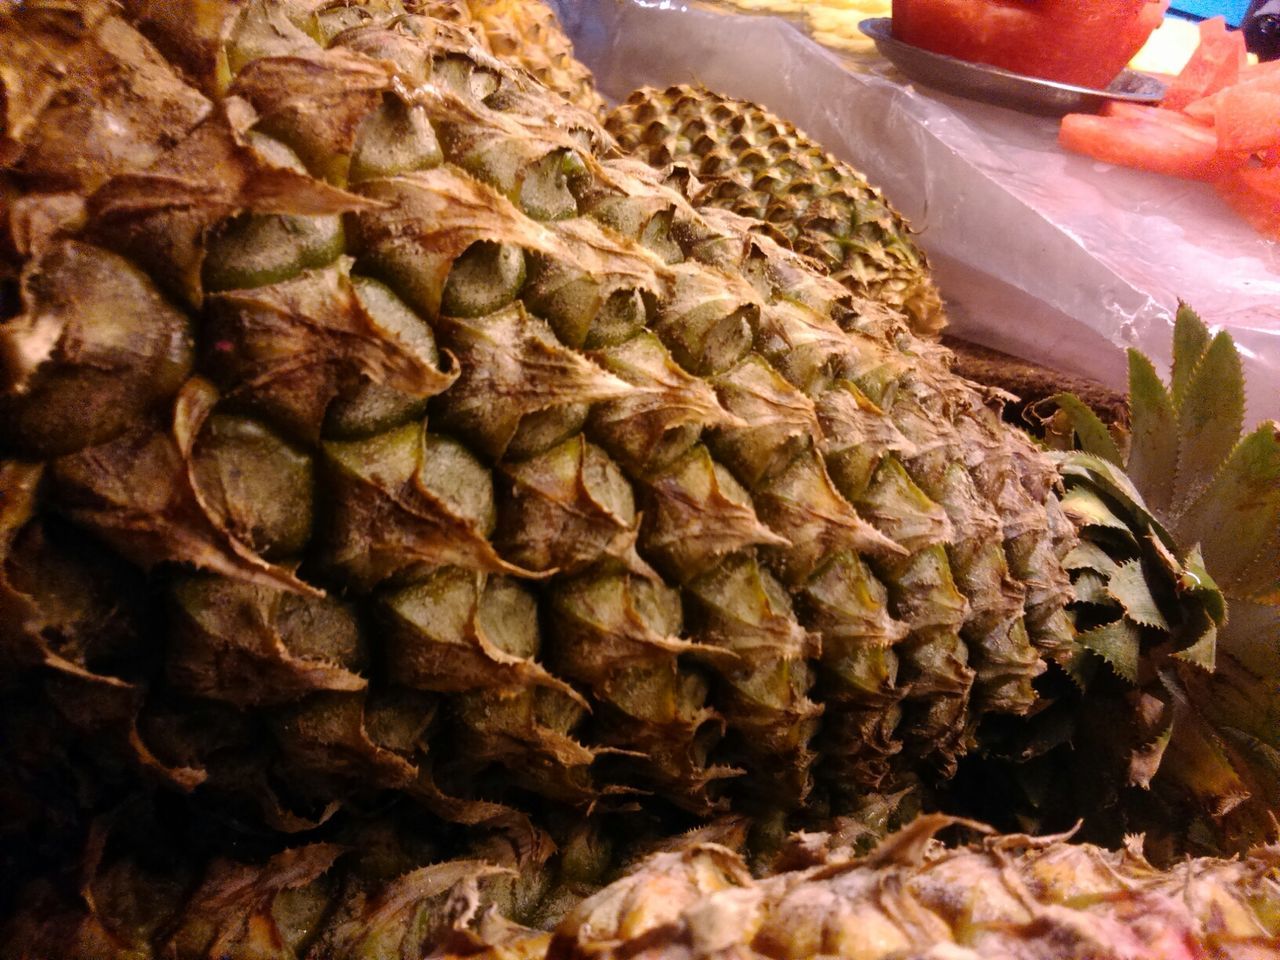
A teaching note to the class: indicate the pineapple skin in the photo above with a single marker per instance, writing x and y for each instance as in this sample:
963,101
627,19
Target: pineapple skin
527,33
368,433
756,164
1002,897
1010,896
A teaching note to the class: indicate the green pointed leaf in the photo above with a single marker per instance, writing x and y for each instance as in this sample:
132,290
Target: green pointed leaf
1090,556
1092,588
1190,339
1239,513
1130,589
1196,581
1165,557
1210,418
1119,644
1261,582
1263,754
1079,665
1252,638
1106,478
1091,432
1087,509
1204,767
1153,443
1203,653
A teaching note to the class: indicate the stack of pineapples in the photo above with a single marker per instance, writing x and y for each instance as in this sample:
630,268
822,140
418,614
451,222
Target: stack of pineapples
413,513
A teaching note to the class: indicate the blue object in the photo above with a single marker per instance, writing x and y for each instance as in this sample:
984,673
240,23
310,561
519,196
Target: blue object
1233,10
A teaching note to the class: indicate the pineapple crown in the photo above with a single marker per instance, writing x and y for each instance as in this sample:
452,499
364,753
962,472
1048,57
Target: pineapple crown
1180,520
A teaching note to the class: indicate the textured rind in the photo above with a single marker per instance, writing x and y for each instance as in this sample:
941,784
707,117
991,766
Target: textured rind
529,35
1006,897
755,163
828,633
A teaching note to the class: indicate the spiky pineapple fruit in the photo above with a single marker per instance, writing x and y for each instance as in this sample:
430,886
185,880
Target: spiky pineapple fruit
1005,897
370,443
1008,897
527,32
366,434
753,162
756,164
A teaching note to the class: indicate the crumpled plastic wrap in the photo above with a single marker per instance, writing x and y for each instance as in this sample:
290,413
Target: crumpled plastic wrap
1040,253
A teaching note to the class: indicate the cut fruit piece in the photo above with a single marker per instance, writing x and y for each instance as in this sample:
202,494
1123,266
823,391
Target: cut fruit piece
1206,108
1248,118
1148,138
1214,66
1254,193
1086,43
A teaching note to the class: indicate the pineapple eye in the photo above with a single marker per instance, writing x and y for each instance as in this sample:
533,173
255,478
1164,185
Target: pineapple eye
487,277
260,486
254,250
396,138
544,190
123,351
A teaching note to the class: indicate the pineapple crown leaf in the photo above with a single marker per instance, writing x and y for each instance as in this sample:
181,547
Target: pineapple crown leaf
1089,510
1119,643
1129,587
1263,754
1153,437
1190,340
1237,519
1088,556
1203,652
1092,478
1210,418
1194,580
1091,433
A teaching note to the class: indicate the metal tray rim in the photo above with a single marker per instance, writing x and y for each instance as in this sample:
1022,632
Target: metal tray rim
993,84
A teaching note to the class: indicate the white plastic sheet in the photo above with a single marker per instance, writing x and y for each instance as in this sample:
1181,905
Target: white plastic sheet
1040,253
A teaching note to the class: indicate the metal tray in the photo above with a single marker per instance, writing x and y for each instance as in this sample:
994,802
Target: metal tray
980,81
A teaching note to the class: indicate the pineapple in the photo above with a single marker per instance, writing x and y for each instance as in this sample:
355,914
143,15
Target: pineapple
1004,896
1009,896
438,457
756,164
379,457
1196,775
527,33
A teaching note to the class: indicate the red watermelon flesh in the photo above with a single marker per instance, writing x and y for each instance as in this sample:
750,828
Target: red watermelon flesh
1084,42
1204,110
1214,65
1254,193
1268,69
1148,138
1247,117
1253,78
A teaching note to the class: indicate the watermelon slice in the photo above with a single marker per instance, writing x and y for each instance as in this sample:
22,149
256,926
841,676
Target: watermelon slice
1247,117
1084,42
1204,110
1148,138
1267,70
1254,78
1254,193
1214,66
